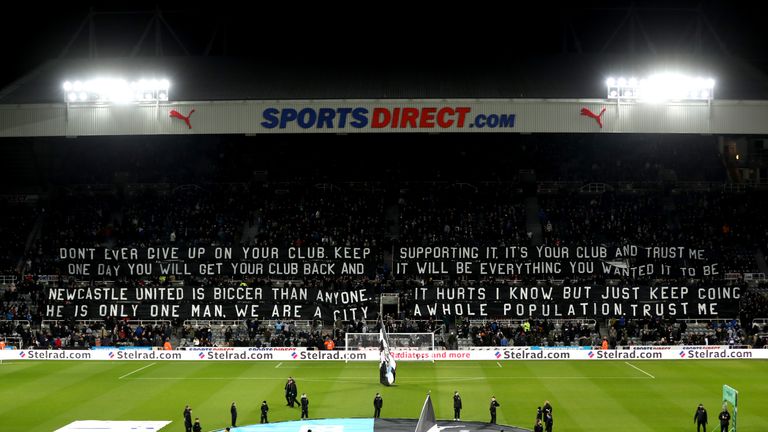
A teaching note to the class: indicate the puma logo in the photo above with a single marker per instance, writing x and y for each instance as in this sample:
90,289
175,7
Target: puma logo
181,116
586,112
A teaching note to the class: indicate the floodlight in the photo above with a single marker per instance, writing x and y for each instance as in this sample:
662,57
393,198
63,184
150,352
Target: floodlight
117,90
661,87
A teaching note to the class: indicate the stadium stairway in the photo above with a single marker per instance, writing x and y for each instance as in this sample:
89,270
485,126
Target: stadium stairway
761,264
532,222
34,234
392,220
250,231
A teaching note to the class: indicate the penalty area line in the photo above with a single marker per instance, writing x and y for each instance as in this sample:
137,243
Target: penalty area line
137,370
630,364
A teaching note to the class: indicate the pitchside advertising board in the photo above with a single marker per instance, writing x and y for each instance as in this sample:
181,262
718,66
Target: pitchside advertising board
499,354
385,116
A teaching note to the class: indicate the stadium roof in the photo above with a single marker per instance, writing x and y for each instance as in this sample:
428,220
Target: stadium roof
222,78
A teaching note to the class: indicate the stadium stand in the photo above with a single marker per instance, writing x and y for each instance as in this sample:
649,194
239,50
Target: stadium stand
162,196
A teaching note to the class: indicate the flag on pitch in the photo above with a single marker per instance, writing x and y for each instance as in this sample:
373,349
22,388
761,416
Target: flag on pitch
427,418
387,364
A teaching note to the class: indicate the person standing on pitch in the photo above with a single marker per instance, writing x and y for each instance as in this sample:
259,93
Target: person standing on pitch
264,410
288,392
456,406
725,419
188,419
700,418
494,405
538,427
196,427
291,392
378,402
233,411
304,406
547,417
548,421
547,407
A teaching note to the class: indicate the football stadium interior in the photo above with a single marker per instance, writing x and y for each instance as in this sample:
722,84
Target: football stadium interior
575,240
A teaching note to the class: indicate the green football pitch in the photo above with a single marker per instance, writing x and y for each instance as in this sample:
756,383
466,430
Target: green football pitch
586,395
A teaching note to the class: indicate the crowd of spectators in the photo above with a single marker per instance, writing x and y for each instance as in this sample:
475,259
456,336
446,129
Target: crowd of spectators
629,158
607,218
727,226
109,332
16,222
616,332
317,215
439,214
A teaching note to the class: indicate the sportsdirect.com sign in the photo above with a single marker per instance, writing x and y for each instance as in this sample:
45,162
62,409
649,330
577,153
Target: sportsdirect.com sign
384,116
679,353
409,118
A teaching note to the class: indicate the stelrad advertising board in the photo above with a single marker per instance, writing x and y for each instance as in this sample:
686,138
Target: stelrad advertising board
287,354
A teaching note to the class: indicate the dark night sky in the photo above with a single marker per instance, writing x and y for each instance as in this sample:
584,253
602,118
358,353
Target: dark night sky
478,32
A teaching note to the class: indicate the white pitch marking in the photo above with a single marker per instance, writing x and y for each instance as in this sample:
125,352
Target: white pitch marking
139,369
278,365
630,364
427,380
498,364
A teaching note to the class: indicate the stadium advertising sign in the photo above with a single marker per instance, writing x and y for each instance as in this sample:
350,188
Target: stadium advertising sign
403,118
385,116
710,352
